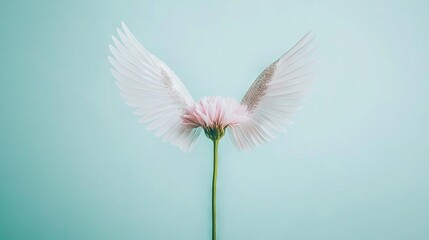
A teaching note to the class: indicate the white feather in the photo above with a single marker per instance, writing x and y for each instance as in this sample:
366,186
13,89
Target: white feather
279,99
153,89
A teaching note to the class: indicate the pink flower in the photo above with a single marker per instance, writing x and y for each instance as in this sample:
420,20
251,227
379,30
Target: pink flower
215,114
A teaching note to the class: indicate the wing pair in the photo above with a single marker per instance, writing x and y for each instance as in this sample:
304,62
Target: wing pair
160,98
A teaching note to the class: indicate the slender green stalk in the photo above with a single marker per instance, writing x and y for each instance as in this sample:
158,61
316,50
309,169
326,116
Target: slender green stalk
215,147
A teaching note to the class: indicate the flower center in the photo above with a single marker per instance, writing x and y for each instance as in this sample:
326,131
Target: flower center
214,115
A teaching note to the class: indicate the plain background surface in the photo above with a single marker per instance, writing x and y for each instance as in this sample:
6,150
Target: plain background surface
75,164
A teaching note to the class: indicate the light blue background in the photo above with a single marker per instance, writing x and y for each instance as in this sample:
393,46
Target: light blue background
75,164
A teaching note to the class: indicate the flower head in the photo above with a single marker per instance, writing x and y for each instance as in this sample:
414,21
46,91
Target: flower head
214,114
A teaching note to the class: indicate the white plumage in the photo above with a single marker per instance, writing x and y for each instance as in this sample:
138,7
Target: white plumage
161,100
152,88
276,95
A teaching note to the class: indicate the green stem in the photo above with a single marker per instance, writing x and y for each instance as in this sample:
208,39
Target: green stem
215,147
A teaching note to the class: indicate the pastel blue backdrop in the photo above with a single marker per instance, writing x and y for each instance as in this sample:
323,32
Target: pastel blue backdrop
75,164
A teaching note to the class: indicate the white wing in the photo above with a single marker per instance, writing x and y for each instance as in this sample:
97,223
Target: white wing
275,96
151,87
